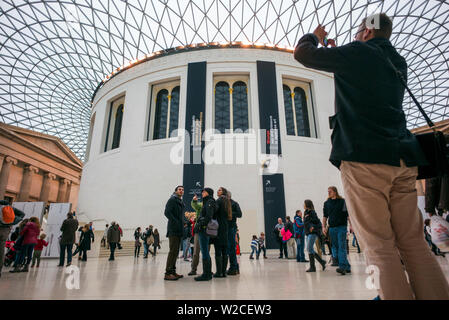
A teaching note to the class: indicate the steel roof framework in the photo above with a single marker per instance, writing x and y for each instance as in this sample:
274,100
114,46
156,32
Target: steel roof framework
54,53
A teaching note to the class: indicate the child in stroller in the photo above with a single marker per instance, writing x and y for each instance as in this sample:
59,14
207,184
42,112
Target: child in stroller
10,255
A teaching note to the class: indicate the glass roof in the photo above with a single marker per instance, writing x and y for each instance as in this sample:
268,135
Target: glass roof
53,54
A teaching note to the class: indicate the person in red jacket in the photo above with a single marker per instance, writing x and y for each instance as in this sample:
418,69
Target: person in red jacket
30,234
41,243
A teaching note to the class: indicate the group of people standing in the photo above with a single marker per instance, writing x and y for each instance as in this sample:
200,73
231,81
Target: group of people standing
150,239
307,226
214,222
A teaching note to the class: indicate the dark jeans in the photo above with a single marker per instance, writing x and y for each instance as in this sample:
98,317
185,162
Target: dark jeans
204,245
136,251
26,254
220,250
264,252
154,250
233,264
112,247
300,245
338,239
254,249
83,254
64,248
283,248
174,244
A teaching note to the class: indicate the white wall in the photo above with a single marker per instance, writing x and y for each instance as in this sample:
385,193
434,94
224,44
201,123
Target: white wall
132,184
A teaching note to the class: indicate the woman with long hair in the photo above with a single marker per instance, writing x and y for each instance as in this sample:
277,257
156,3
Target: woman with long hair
30,233
157,242
223,215
312,228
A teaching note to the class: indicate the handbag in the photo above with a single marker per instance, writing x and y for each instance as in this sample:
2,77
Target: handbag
433,144
150,240
212,228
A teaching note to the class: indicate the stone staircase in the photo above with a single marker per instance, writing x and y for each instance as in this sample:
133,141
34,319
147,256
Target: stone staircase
128,250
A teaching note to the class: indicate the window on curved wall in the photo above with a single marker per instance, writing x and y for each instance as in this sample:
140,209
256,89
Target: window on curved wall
222,107
302,114
89,139
114,124
299,114
174,110
240,114
117,127
288,105
161,116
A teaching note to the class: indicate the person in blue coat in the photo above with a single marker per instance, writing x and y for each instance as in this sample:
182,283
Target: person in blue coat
298,227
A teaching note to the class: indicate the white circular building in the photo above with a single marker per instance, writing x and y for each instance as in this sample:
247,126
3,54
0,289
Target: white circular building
253,102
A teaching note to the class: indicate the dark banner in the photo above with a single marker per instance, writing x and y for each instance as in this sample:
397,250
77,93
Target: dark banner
273,185
193,174
274,206
268,107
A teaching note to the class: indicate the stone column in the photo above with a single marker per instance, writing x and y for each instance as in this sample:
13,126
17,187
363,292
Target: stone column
46,184
27,179
62,190
4,175
67,192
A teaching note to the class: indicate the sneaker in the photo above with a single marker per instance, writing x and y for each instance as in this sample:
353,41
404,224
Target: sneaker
348,271
69,264
170,277
179,276
192,273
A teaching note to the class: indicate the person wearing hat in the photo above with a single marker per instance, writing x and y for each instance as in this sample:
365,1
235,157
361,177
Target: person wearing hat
174,211
9,216
207,212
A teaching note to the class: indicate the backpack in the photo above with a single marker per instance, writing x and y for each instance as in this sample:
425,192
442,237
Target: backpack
8,215
212,228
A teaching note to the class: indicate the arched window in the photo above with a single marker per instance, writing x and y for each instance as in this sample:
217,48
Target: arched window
117,127
299,117
160,120
240,106
222,107
174,110
163,115
302,114
114,124
289,118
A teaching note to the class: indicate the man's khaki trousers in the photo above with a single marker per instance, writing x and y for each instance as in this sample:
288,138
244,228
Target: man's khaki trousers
382,206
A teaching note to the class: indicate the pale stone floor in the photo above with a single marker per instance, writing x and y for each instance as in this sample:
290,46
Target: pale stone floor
129,278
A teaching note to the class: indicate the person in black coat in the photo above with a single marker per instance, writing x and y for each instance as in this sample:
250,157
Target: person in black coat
68,228
206,214
312,228
113,238
87,236
223,215
157,242
232,230
174,211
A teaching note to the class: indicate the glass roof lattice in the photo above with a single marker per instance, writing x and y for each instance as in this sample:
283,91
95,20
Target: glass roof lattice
53,54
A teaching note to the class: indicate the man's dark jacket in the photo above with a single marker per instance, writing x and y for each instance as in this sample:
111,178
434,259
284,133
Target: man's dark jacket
68,228
369,125
236,213
174,211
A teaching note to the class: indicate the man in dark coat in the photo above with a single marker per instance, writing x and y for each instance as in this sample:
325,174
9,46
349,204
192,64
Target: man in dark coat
113,239
68,228
174,211
232,230
377,156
